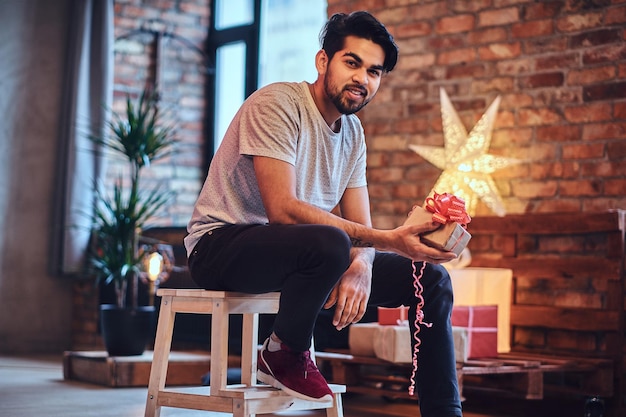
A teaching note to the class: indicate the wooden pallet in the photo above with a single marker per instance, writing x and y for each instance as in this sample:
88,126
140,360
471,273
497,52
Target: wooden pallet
96,367
519,375
531,376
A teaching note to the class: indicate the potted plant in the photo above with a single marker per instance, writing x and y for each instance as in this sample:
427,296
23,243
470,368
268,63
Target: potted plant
141,138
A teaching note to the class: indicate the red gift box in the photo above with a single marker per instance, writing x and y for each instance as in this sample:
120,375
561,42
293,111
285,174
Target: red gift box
393,316
482,329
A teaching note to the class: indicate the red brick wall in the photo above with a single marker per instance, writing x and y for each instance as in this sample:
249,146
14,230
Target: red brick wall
560,68
182,88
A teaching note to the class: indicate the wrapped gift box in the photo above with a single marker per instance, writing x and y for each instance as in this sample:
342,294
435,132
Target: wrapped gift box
393,344
481,323
486,286
449,237
361,338
393,316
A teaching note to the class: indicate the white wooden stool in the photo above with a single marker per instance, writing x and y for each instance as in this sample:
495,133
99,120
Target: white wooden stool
242,400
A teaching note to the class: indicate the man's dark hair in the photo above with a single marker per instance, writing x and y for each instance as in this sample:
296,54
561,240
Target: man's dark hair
360,24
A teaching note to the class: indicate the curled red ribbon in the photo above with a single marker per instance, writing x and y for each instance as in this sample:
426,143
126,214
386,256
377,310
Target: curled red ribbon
448,208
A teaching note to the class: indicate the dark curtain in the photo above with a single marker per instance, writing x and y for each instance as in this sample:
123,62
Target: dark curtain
87,95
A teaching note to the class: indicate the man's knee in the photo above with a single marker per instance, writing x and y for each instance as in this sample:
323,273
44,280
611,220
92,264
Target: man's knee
332,243
328,250
440,287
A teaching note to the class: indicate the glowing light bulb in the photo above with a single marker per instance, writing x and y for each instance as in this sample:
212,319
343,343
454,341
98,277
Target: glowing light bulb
155,266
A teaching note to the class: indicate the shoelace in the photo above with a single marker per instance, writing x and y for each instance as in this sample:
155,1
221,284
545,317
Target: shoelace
305,362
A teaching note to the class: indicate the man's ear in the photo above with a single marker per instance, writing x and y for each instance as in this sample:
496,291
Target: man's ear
321,61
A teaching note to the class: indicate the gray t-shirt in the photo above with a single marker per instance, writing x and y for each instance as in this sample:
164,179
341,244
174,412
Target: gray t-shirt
280,121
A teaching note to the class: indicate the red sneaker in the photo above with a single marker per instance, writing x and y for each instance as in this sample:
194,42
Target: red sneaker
293,372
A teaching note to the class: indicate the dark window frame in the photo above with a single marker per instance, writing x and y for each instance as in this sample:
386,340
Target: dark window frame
248,34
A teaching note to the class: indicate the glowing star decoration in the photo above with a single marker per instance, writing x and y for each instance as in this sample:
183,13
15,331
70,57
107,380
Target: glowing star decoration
464,159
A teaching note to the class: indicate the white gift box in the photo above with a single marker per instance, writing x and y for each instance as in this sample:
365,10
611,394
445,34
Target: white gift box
461,345
483,287
393,344
361,338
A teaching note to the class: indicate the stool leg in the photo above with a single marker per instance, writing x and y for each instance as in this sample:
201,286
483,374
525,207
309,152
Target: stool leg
337,409
162,346
249,351
219,346
240,409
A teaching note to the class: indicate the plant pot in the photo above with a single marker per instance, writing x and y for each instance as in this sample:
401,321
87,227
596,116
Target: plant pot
126,331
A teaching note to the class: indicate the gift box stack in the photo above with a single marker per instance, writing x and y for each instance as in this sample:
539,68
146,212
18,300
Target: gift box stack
474,331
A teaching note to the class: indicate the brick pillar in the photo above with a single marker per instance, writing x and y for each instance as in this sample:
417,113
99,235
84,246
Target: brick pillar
85,316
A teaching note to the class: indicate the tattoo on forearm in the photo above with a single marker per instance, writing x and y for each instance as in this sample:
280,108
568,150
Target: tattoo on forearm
358,243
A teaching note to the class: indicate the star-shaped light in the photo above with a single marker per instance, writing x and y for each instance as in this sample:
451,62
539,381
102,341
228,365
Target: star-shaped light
464,159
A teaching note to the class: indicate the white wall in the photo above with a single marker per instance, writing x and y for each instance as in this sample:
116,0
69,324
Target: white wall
35,308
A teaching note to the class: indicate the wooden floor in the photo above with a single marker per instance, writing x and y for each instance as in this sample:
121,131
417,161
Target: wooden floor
34,386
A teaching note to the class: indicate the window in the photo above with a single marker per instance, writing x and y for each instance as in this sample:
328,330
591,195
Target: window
230,81
254,43
233,13
290,39
233,46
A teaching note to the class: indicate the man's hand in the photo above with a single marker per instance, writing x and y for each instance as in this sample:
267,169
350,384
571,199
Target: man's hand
351,294
405,241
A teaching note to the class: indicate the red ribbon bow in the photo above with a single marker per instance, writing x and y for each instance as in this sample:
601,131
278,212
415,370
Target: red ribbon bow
446,208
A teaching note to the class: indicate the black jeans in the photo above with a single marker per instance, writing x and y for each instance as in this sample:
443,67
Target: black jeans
304,262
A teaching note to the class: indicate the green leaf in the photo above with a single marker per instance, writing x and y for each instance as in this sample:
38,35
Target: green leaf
141,137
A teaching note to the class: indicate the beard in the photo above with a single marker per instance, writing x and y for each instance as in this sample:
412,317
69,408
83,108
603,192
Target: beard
343,104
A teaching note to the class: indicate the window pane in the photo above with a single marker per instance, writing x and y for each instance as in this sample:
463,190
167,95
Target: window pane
230,86
229,13
290,39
